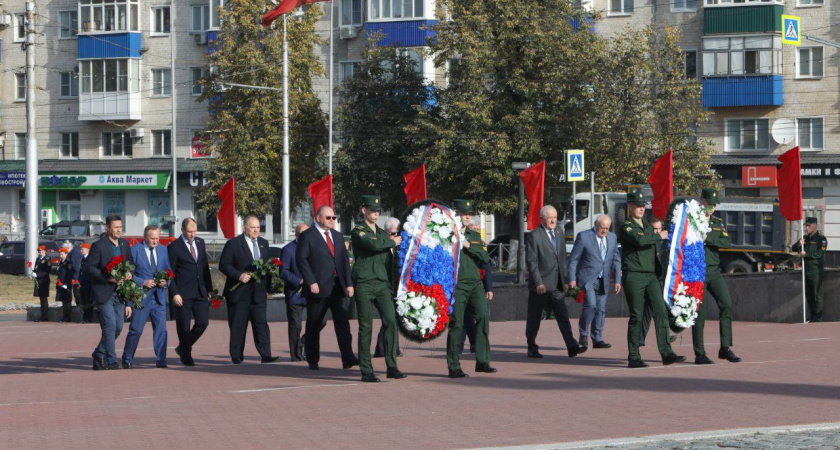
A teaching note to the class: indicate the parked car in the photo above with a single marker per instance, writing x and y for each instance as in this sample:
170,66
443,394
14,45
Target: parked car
70,229
13,257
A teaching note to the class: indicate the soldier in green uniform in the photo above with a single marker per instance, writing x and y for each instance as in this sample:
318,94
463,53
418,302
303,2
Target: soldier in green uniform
812,249
469,293
641,285
716,239
372,249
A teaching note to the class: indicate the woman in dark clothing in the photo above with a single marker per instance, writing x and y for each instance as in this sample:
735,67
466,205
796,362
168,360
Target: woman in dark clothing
42,281
64,284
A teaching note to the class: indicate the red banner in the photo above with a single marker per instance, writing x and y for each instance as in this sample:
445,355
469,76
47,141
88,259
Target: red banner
758,176
284,7
415,185
321,193
662,183
534,180
227,212
790,185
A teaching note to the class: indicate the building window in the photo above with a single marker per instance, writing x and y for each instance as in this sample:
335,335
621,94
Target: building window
754,55
20,87
110,75
20,145
351,12
809,3
740,2
69,145
116,144
214,12
197,76
69,84
812,192
810,61
810,134
397,9
346,69
113,202
161,83
749,134
158,206
20,27
109,15
161,142
160,20
690,64
621,7
683,5
68,24
200,18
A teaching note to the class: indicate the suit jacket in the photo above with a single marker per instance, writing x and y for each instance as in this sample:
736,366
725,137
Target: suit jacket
75,257
192,277
487,281
237,259
84,276
585,262
65,278
143,271
317,265
545,266
290,274
100,255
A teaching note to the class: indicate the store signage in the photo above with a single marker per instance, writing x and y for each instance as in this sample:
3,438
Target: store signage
758,176
758,207
14,179
820,171
148,180
198,148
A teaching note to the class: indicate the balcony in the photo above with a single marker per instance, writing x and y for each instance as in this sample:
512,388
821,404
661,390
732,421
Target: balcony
743,19
110,106
723,92
407,33
115,45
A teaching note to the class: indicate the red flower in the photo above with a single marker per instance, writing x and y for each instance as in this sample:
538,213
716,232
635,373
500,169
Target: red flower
277,262
216,303
481,273
579,298
170,274
76,282
29,264
58,283
115,261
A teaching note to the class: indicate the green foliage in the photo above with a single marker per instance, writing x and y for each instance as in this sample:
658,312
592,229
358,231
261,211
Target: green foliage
246,127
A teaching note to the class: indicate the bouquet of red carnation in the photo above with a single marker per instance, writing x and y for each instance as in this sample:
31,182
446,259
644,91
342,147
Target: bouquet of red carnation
164,275
576,293
261,268
216,299
119,268
131,292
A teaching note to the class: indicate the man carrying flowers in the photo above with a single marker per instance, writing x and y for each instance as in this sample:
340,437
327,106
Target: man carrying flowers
112,309
372,248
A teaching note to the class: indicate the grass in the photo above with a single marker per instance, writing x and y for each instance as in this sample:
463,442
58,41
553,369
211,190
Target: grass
17,289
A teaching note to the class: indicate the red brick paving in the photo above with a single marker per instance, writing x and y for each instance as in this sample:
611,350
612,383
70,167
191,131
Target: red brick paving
51,399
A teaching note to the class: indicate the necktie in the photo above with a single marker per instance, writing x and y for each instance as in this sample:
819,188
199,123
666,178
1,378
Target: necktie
603,254
192,251
330,242
256,249
152,260
553,240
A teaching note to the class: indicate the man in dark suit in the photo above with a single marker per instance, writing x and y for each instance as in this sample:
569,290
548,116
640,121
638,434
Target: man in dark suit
295,302
84,284
103,291
246,296
150,258
75,257
191,288
325,266
545,254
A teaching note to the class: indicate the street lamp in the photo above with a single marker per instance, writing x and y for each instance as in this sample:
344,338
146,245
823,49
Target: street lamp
520,249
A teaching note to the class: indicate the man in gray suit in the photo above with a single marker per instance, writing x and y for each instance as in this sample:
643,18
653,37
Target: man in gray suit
594,258
545,254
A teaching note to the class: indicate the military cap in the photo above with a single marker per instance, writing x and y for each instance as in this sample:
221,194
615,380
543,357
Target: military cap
372,202
42,248
85,245
710,195
810,220
464,206
63,250
636,198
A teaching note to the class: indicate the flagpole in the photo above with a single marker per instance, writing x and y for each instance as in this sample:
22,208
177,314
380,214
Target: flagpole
802,264
284,232
330,134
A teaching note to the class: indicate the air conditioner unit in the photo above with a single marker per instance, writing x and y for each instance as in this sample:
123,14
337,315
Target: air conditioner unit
200,38
137,132
5,20
347,33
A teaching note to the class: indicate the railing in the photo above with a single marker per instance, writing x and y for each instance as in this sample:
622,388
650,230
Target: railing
503,257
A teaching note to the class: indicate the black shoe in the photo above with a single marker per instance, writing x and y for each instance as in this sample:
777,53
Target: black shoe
485,368
727,354
534,354
349,364
127,365
601,344
671,339
98,362
636,364
472,348
314,366
270,359
583,341
703,359
378,355
400,353
236,361
161,365
186,357
370,378
457,374
395,374
581,349
114,366
671,359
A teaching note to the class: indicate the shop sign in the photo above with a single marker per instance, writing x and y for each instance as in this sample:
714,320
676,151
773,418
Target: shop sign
147,180
14,179
820,171
758,176
199,148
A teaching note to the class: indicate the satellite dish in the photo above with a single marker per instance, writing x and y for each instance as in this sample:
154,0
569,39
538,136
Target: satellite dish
783,131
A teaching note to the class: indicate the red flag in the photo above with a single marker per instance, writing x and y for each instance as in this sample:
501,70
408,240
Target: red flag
790,185
284,7
321,193
662,183
415,184
227,212
534,180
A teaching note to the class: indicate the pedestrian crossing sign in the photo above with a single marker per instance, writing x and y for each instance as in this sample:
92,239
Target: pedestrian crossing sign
791,31
574,165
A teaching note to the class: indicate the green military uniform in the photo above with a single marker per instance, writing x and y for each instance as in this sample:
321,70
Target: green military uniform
640,281
372,250
469,292
815,246
717,239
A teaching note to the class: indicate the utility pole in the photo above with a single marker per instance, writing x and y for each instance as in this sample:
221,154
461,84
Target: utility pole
32,219
284,231
174,133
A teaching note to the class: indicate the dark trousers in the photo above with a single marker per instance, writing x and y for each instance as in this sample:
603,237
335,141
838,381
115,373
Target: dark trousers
642,289
468,295
813,293
66,310
717,287
196,308
111,319
86,304
469,330
557,302
239,314
45,309
294,316
316,311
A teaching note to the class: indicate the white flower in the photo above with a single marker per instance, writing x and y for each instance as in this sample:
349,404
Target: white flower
402,309
409,326
429,311
416,302
444,232
675,311
436,216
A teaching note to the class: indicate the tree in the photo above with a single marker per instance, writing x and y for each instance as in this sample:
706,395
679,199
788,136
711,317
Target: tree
380,106
246,125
